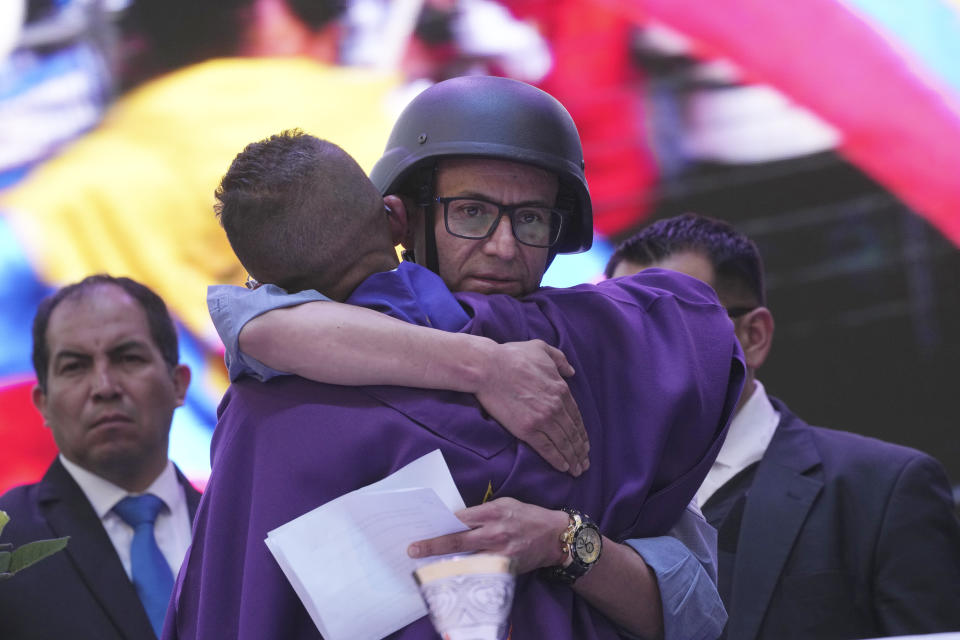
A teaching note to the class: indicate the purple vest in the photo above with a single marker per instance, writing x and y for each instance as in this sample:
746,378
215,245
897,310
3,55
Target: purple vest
659,372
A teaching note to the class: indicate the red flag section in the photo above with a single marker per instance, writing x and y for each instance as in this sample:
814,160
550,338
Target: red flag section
22,433
595,79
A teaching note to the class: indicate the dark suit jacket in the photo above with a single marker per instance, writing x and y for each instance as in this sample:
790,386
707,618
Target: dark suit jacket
844,537
81,592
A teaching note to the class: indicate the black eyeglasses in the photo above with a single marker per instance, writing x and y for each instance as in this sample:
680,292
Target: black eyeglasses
475,219
736,312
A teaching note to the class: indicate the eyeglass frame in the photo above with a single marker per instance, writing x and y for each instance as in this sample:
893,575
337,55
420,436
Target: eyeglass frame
509,209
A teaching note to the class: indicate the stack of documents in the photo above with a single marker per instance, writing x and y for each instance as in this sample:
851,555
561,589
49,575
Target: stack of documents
347,560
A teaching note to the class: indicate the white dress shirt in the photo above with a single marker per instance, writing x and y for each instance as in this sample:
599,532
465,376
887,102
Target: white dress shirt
172,528
747,439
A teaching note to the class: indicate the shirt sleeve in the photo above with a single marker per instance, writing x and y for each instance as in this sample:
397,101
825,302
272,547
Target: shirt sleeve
232,307
684,562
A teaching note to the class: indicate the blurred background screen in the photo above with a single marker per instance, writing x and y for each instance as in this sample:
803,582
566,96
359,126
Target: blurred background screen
826,130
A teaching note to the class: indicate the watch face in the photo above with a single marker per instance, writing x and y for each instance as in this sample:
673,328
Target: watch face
587,546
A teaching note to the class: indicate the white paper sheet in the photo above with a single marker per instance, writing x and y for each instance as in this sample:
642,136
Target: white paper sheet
347,560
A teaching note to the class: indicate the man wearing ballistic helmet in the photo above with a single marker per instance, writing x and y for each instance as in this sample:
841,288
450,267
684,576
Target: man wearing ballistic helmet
533,186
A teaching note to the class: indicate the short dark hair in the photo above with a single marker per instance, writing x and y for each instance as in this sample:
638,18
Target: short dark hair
299,211
161,326
735,258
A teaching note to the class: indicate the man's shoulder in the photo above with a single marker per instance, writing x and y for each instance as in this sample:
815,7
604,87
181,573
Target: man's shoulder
643,288
844,453
22,505
19,496
656,293
259,408
252,412
249,401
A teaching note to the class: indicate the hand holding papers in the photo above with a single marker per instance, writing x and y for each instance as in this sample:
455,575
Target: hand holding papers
347,560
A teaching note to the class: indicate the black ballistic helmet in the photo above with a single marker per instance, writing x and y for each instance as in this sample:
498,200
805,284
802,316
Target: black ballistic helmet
491,117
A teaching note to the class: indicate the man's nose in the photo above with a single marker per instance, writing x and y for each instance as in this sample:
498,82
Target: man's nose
105,382
501,242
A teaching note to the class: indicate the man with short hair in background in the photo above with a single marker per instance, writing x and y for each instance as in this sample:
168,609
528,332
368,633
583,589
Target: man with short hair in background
108,380
822,533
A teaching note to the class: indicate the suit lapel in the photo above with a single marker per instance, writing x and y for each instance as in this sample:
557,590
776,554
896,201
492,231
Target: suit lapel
69,513
779,500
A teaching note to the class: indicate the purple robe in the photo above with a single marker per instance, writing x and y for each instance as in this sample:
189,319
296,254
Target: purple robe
659,372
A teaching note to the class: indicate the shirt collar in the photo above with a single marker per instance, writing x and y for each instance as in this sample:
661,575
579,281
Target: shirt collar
750,431
104,495
414,294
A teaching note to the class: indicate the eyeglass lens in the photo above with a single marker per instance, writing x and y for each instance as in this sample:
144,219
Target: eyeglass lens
535,226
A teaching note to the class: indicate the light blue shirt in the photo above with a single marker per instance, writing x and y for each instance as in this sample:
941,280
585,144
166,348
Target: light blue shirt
685,563
232,307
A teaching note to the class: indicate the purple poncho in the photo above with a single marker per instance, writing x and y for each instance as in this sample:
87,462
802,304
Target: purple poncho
659,372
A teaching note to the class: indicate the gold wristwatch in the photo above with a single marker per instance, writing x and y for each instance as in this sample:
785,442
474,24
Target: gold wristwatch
582,543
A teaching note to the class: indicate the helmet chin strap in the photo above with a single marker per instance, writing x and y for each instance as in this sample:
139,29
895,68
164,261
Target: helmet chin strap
430,240
425,200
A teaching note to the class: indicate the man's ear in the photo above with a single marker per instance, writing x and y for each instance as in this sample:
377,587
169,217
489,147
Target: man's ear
755,332
39,401
181,381
399,223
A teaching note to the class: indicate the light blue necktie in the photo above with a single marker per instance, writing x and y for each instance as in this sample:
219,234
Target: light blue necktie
151,573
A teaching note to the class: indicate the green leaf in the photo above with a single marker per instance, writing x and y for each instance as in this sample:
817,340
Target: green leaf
33,552
5,557
4,519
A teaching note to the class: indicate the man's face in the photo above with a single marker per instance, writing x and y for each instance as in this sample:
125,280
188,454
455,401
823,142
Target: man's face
498,263
110,396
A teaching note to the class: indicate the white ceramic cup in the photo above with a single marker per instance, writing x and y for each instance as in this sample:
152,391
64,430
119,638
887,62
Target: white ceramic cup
468,597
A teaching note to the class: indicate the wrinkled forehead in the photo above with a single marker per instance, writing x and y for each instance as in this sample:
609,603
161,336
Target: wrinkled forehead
96,318
468,174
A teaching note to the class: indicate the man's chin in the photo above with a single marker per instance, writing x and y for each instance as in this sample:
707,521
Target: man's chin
124,449
488,287
126,462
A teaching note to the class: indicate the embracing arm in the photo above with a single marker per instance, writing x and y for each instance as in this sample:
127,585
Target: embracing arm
519,384
685,564
343,344
624,588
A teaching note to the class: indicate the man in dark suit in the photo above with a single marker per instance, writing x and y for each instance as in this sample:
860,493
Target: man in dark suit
821,533
108,380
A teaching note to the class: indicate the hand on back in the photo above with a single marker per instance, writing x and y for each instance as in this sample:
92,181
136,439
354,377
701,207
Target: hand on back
525,391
